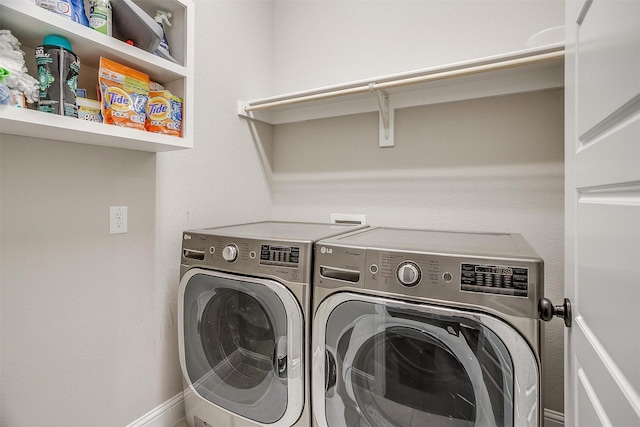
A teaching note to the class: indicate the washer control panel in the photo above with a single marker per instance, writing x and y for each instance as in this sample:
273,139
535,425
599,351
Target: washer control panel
279,255
286,260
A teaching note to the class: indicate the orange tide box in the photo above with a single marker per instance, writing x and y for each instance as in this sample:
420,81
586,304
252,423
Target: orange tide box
123,94
164,113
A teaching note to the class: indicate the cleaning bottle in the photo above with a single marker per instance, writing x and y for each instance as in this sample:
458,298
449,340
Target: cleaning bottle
100,16
72,9
163,50
78,14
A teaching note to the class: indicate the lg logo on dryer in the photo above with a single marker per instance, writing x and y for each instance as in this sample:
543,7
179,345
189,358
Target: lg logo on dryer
324,250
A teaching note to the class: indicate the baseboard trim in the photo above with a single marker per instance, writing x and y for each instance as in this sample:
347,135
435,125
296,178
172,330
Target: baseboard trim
553,418
171,412
167,414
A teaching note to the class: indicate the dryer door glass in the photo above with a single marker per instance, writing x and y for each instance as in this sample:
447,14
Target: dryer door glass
236,341
389,364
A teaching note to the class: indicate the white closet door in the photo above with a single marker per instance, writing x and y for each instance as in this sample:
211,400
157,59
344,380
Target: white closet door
602,275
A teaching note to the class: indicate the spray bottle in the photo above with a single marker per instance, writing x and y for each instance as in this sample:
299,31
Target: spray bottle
163,50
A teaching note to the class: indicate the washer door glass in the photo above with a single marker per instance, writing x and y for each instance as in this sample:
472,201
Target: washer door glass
395,364
236,343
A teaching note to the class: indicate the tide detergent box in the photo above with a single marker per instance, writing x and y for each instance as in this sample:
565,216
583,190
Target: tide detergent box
164,113
124,93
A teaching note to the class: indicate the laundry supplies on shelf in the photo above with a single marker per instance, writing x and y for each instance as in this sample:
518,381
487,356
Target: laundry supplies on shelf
72,9
5,92
124,93
58,70
133,23
164,113
16,79
89,109
30,23
163,50
100,16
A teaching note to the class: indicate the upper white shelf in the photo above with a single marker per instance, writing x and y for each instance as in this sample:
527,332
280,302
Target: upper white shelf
30,23
521,71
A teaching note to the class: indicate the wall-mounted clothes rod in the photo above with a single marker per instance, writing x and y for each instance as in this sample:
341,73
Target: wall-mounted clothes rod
385,85
526,76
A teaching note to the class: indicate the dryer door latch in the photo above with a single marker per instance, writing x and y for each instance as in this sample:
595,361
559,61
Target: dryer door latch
547,310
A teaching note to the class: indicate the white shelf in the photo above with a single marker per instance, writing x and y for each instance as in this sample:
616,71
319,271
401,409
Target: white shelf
515,72
36,124
30,23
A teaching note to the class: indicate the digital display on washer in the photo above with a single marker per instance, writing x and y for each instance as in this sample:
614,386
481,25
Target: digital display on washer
494,279
279,255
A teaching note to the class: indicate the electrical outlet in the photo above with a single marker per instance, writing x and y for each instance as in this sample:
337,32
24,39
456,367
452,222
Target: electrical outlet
117,219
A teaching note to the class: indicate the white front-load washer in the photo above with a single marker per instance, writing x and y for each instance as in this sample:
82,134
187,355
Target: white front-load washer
426,328
244,322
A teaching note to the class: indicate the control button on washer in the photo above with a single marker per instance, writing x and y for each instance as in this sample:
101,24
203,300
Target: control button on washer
373,268
447,277
408,273
212,250
230,253
252,254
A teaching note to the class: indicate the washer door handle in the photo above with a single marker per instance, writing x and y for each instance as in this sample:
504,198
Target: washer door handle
330,373
280,358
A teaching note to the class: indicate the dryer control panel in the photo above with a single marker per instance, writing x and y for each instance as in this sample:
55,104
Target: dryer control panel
494,279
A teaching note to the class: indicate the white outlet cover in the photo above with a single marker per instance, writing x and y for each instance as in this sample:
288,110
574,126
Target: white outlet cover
117,219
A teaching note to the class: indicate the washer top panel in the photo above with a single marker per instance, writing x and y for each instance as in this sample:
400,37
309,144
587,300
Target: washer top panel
281,230
493,271
504,245
282,250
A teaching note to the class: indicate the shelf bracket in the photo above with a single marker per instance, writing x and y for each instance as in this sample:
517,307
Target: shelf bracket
258,115
386,117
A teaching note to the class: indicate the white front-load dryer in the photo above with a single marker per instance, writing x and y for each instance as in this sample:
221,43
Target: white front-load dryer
244,323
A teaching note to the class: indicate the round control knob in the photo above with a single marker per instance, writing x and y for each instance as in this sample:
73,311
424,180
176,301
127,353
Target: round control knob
409,273
230,253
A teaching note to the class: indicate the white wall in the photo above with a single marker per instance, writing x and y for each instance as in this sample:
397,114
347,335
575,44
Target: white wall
324,42
78,305
484,165
89,320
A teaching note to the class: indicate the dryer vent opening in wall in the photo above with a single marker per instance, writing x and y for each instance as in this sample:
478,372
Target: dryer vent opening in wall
354,219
